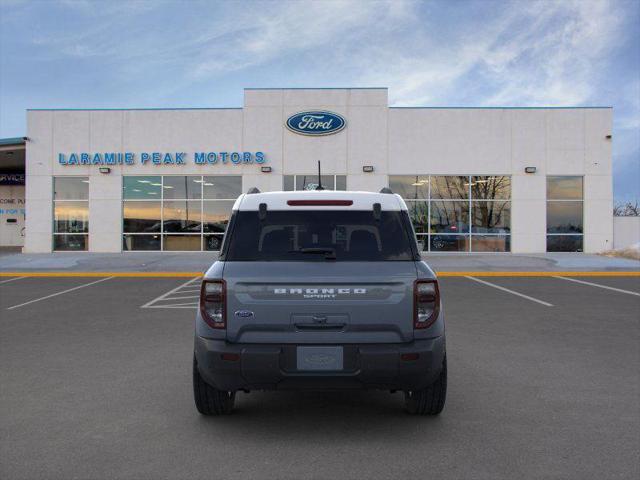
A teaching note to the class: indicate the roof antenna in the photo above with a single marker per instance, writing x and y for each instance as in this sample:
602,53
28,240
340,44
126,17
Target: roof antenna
319,187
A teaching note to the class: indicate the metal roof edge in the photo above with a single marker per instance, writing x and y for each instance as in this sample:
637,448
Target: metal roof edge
126,109
505,108
12,141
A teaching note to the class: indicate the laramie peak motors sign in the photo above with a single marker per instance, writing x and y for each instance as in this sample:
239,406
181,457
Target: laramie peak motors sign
161,158
315,123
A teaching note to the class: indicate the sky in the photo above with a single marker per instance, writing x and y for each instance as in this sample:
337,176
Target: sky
137,53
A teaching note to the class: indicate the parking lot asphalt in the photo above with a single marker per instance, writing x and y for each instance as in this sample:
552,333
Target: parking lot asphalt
544,382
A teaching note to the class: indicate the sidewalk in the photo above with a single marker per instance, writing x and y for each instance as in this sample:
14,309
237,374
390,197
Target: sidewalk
188,263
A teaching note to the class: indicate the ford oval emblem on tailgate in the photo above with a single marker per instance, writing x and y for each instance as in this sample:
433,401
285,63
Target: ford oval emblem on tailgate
244,313
317,122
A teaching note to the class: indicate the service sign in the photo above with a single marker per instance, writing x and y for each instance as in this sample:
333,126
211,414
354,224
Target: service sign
11,178
315,123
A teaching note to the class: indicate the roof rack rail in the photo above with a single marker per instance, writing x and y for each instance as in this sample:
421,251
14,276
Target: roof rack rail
253,190
386,190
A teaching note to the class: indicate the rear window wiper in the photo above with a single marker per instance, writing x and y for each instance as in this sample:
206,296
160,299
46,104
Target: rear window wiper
330,253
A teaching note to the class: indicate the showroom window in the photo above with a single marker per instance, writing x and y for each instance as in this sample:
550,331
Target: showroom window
177,213
459,213
564,214
310,182
70,213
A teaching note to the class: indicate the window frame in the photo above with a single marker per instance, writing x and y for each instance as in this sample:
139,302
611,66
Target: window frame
564,200
54,234
295,175
425,239
202,201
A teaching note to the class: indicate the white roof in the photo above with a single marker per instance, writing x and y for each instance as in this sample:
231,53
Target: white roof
361,200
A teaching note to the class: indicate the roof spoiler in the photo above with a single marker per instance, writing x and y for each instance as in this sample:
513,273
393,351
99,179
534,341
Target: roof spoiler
253,190
386,190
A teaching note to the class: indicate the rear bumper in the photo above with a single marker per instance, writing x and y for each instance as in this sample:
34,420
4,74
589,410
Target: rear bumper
273,367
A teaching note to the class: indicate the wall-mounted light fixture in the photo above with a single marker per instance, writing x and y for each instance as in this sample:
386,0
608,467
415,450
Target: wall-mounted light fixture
367,168
104,170
530,169
265,169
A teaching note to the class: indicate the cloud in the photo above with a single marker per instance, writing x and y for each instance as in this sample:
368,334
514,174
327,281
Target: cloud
537,53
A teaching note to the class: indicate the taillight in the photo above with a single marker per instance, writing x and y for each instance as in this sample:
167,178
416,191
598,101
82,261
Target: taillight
426,303
213,303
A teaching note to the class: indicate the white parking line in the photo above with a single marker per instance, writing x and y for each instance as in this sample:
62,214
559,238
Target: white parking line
178,298
12,279
59,293
175,305
484,282
629,292
166,295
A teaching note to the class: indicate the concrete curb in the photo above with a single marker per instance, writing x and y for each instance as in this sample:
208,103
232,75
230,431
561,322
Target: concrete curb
440,274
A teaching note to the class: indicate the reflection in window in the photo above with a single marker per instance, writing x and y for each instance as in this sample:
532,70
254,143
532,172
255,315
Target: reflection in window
227,187
141,217
70,213
450,187
410,186
188,187
564,243
182,243
564,217
491,243
419,215
181,216
564,214
449,243
495,187
423,242
69,242
564,188
491,217
212,242
71,217
448,200
70,188
142,187
172,212
216,216
450,217
140,242
310,182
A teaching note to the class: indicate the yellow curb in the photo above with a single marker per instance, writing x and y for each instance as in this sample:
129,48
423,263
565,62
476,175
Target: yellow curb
440,274
539,274
103,274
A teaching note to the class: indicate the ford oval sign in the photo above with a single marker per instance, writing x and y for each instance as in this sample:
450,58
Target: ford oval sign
316,123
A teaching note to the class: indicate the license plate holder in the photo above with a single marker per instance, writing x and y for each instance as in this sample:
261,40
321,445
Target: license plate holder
320,359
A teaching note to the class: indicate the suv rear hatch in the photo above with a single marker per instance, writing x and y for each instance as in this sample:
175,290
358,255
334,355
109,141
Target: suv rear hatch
314,276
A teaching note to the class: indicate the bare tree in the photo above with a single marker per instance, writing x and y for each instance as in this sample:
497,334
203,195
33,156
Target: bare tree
628,209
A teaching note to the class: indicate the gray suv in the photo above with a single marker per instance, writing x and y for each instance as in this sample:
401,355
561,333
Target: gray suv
320,290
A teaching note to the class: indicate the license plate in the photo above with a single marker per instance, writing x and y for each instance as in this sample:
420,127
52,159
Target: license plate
319,358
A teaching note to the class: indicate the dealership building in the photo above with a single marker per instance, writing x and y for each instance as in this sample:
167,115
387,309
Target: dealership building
522,180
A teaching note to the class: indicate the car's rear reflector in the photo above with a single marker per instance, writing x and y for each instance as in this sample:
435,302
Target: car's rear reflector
319,203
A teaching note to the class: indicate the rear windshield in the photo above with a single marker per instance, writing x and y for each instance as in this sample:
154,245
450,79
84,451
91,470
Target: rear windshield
304,236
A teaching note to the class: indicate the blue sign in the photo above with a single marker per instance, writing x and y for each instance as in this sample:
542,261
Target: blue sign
11,178
161,158
316,123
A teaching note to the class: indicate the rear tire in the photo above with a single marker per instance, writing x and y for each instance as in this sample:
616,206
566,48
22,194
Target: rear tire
429,401
210,400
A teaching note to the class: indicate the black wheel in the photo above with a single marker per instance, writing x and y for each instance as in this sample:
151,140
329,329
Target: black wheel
209,400
429,401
